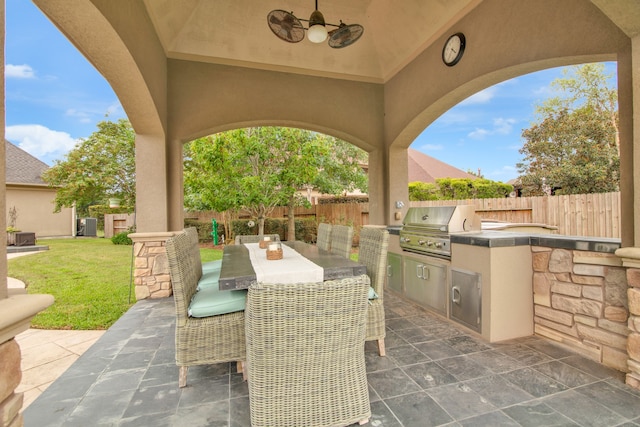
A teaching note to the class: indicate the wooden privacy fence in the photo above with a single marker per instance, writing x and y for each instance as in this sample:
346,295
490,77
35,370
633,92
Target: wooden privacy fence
587,215
117,223
355,214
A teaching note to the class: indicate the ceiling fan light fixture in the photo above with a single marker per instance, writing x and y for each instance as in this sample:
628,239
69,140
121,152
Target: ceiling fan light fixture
286,26
317,32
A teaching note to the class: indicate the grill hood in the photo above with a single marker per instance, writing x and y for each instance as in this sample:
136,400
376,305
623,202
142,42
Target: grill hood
442,219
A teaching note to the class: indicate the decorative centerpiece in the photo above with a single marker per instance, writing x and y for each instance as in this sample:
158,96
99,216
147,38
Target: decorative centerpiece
264,242
274,251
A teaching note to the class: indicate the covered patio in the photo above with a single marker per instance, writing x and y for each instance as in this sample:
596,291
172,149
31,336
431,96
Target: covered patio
434,374
188,68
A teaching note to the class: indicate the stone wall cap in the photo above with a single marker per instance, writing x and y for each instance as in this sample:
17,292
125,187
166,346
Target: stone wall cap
629,252
17,311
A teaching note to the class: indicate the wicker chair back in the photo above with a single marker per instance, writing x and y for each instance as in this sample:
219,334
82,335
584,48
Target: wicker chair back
374,243
341,240
305,352
323,241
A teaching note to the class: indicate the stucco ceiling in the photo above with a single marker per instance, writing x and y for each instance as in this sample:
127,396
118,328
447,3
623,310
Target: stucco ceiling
236,32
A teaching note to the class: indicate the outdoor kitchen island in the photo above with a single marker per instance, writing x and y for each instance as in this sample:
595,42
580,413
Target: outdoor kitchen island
485,285
503,285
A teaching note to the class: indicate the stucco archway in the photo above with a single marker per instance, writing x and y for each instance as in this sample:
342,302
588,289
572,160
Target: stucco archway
183,68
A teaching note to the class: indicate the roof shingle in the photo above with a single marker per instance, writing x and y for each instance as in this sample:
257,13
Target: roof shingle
424,168
22,167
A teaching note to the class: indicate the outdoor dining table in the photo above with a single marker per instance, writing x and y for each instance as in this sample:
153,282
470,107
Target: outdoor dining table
238,272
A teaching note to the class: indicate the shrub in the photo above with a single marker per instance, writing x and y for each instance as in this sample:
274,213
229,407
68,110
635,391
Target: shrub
122,239
306,228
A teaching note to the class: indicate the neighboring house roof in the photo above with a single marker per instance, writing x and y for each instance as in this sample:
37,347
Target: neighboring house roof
22,167
425,168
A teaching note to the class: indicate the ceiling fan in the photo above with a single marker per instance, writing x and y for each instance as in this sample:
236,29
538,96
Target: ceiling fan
286,26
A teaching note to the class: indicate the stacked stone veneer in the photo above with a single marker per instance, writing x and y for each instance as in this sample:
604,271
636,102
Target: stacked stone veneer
633,343
151,273
580,300
631,259
10,401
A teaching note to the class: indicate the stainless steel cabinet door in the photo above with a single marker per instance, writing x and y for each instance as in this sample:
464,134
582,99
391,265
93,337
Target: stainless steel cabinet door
465,298
394,272
426,284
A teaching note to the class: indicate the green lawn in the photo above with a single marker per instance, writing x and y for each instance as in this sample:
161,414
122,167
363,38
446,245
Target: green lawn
89,278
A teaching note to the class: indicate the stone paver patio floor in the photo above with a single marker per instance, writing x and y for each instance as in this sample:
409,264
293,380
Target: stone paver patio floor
434,374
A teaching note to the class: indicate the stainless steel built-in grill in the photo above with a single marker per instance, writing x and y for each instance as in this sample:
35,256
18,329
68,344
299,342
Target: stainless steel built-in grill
427,230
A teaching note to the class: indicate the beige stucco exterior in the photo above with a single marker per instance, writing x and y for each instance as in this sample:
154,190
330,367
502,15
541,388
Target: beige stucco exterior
180,76
188,68
34,205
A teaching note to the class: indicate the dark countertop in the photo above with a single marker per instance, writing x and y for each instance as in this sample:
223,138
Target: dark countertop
495,239
491,239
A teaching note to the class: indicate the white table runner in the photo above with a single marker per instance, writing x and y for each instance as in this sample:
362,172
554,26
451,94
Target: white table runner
292,268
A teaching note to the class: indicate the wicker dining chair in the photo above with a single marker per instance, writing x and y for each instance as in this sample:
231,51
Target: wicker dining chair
374,242
254,238
199,340
305,353
341,240
323,240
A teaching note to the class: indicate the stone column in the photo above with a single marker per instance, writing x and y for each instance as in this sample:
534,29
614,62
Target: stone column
151,273
10,402
631,260
17,311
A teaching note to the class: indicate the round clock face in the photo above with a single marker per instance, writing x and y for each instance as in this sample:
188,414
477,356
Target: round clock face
453,49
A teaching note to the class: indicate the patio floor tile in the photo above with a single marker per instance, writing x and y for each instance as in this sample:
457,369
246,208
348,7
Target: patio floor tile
435,373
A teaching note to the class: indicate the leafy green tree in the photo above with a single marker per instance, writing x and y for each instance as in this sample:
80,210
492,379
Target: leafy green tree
573,148
260,168
233,170
97,168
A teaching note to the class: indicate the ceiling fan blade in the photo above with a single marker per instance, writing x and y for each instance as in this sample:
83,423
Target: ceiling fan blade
345,35
285,26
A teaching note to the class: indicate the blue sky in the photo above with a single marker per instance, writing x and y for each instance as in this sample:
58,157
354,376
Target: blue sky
54,97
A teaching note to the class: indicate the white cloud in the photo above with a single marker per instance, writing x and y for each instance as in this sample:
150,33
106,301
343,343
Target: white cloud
82,116
23,71
544,91
504,171
479,133
500,127
481,97
39,141
115,109
503,126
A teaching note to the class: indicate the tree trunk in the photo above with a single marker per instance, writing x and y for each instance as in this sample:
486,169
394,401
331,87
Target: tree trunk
291,220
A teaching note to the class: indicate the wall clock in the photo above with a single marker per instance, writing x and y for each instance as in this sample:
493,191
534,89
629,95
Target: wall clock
453,49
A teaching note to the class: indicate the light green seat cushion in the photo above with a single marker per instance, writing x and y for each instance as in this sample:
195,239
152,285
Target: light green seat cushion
372,293
212,302
211,266
209,280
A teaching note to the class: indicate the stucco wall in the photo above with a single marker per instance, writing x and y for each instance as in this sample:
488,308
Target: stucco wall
35,211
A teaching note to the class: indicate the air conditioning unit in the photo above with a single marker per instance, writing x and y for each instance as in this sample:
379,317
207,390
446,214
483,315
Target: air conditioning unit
87,227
